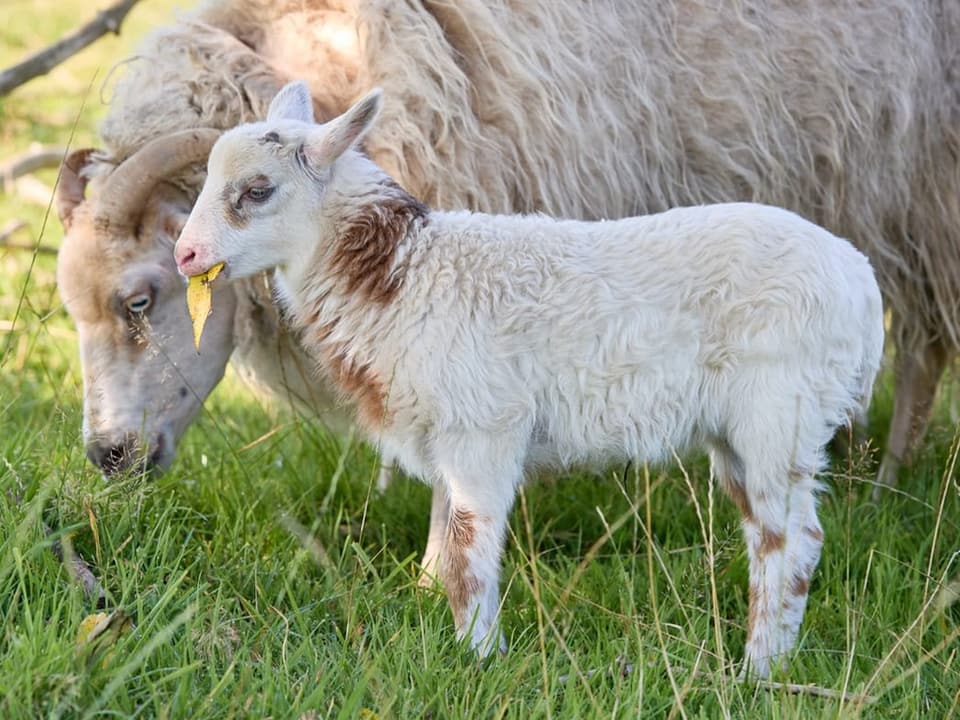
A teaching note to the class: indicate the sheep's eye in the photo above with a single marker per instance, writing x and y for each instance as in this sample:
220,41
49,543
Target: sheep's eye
138,303
258,193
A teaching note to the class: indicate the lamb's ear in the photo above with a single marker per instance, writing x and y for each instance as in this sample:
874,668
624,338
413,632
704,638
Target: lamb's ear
328,142
293,102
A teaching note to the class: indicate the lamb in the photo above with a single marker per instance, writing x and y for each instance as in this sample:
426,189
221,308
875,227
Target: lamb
740,328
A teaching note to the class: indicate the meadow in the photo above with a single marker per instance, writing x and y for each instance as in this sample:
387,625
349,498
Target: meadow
265,576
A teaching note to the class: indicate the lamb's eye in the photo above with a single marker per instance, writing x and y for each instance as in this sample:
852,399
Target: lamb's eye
258,193
138,303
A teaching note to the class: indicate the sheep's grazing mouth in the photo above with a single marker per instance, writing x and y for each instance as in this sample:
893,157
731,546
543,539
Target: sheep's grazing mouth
128,456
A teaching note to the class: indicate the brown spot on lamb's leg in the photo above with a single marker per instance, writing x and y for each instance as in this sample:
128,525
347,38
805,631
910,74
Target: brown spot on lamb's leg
470,570
765,546
783,539
481,471
771,541
765,535
917,374
462,586
439,523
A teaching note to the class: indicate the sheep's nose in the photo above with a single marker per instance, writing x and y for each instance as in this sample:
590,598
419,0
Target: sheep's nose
185,255
115,458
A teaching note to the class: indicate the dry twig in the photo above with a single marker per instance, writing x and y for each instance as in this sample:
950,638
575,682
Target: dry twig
817,691
623,668
42,62
11,229
15,226
29,189
36,158
77,568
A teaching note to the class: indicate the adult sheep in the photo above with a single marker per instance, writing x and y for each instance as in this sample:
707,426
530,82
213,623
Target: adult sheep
848,114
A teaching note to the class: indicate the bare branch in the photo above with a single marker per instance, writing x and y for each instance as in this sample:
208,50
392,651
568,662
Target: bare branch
42,62
32,190
77,568
12,173
622,668
36,158
10,228
15,226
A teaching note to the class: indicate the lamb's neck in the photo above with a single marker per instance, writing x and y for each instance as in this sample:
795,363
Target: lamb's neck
365,230
343,299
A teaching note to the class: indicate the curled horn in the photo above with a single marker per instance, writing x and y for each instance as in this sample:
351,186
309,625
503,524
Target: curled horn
72,184
124,193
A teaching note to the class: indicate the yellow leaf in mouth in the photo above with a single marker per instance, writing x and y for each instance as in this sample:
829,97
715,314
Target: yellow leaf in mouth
198,300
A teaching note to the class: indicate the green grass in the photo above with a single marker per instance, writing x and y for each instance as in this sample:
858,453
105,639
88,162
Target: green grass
266,579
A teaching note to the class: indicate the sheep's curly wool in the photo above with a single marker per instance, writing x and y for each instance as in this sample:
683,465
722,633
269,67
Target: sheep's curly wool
848,114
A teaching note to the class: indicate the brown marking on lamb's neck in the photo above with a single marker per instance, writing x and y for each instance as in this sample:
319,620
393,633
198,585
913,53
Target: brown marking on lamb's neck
366,244
815,533
362,260
358,381
363,386
462,587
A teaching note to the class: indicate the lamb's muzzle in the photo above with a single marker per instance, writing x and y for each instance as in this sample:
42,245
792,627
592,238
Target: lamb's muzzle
490,344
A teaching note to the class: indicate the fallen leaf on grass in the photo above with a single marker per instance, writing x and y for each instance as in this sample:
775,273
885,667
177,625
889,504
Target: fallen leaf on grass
99,632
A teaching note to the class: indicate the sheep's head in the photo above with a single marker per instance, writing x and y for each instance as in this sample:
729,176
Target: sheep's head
267,184
143,380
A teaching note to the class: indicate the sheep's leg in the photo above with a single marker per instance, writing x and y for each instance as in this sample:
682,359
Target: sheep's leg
917,374
784,539
481,473
783,552
384,476
439,520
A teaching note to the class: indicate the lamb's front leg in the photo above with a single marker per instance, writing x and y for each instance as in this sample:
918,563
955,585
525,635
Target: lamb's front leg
481,473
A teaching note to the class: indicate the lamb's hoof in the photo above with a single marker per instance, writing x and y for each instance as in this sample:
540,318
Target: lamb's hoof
428,580
749,673
491,648
754,669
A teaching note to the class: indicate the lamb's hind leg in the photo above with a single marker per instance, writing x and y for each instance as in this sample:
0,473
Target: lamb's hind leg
783,538
783,544
917,373
439,521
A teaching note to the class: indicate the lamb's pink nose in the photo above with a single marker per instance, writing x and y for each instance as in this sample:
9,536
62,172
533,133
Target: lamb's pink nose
190,261
185,255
